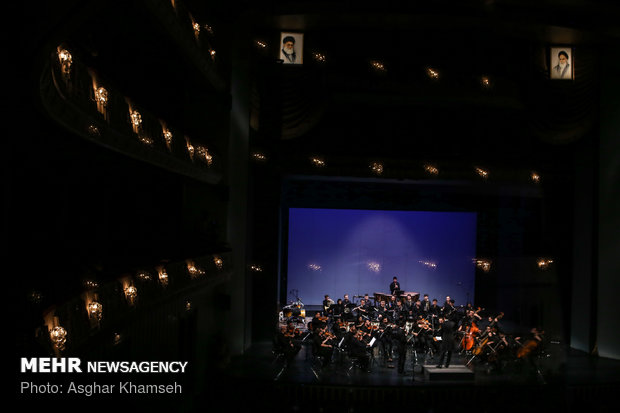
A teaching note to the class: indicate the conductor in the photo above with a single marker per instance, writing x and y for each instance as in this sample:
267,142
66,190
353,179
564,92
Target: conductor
395,287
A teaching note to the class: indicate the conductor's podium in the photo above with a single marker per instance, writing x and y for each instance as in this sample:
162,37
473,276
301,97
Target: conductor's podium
456,372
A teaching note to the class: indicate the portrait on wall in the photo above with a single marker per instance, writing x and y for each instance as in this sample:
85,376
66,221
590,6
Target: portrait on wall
291,48
561,63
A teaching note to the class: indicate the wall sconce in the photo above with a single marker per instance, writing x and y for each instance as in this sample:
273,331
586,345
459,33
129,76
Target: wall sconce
260,44
219,263
136,120
319,57
100,95
484,265
212,53
377,66
482,172
35,297
543,263
101,99
196,28
94,310
117,339
58,335
190,148
93,131
193,271
209,29
317,161
485,82
432,73
259,157
144,276
204,154
131,294
377,167
167,134
535,177
256,268
90,284
66,61
162,276
188,305
430,169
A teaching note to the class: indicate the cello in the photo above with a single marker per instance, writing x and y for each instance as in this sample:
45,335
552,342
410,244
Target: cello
485,336
530,345
468,340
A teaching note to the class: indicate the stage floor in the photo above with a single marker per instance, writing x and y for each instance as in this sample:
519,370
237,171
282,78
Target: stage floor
565,379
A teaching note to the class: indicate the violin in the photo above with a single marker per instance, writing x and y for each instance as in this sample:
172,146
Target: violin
322,317
293,331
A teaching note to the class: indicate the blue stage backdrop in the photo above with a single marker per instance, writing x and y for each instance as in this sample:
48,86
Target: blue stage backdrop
345,251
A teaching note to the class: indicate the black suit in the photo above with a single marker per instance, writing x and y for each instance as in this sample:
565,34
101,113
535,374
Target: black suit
394,286
357,348
447,342
399,340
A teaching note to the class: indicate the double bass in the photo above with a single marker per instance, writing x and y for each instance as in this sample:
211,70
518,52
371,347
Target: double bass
468,340
484,338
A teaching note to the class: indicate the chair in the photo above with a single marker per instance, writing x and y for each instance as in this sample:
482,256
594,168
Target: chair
318,361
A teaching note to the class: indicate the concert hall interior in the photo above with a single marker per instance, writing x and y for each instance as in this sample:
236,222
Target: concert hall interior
181,186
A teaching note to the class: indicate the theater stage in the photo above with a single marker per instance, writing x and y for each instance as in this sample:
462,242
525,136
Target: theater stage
565,379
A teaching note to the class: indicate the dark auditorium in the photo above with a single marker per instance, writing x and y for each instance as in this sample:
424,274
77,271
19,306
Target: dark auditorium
314,206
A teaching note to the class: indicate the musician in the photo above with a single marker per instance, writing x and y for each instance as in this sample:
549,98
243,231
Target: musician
417,310
346,300
348,309
367,306
399,311
284,342
467,320
358,348
318,322
408,305
395,287
502,352
359,322
323,345
491,322
382,311
447,341
448,307
385,340
423,334
337,309
362,309
426,305
327,303
393,300
399,340
339,328
434,309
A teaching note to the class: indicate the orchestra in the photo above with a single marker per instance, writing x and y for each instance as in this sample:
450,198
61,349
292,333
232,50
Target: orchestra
357,332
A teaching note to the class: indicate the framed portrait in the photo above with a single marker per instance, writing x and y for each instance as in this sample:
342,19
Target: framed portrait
561,63
292,48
